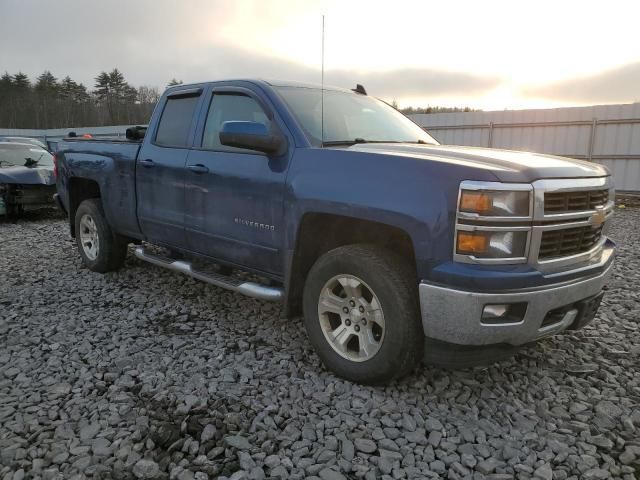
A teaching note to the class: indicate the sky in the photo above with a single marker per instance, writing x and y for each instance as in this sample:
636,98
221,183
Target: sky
488,54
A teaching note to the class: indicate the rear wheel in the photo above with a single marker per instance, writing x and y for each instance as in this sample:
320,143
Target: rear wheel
101,249
361,314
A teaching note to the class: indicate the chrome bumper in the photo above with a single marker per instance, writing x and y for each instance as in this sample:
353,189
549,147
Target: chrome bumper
454,316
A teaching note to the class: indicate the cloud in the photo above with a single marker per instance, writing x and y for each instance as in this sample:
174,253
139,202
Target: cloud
152,45
416,82
616,85
226,61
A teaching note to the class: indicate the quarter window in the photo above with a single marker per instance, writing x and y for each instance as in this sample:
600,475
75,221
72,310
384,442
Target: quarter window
227,107
175,122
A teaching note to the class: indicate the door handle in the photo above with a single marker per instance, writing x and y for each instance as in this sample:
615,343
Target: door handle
199,168
147,163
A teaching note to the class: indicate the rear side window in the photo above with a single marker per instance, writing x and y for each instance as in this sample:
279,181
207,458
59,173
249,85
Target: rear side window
227,107
175,122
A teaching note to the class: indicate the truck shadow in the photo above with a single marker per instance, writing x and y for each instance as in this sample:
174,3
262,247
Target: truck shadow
39,215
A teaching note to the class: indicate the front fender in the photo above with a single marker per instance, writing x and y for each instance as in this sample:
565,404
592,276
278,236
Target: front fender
416,196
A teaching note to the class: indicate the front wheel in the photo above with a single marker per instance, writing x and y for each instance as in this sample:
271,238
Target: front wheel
101,249
361,314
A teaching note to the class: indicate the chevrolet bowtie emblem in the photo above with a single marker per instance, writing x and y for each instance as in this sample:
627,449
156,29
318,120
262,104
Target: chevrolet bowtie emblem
599,217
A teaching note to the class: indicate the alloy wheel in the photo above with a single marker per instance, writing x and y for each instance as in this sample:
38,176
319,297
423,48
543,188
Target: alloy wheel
351,318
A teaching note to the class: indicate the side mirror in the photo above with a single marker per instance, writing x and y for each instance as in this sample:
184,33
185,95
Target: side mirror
250,135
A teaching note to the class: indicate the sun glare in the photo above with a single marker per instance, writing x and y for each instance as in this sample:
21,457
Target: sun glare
522,44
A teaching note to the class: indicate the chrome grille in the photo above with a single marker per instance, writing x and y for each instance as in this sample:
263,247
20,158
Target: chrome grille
561,202
570,241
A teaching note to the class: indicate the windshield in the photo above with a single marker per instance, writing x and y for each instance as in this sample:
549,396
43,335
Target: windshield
17,155
350,118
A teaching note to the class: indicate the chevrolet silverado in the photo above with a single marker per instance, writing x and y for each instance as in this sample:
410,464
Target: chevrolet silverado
393,248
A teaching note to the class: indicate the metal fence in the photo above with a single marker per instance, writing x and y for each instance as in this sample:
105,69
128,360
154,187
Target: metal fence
53,135
607,134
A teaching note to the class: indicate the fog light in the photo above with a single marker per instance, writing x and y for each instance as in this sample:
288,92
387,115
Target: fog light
500,313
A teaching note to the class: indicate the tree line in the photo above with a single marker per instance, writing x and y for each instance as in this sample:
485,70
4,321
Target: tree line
51,103
430,109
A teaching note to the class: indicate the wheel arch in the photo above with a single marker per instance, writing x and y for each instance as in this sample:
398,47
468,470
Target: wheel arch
319,233
80,189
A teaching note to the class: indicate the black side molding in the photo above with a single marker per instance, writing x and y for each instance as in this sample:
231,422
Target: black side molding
186,92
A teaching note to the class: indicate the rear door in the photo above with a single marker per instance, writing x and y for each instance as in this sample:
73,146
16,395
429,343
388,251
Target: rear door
160,169
234,197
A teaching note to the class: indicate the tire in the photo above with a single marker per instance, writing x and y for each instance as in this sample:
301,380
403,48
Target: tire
101,249
387,284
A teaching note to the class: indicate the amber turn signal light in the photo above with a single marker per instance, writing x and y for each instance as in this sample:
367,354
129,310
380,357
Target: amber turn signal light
475,202
470,243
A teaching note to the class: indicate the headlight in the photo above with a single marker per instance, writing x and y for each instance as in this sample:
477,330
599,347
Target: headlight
494,222
492,244
500,203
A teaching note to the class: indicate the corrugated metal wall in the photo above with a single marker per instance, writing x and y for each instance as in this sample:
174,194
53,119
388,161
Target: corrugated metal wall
607,134
62,132
53,135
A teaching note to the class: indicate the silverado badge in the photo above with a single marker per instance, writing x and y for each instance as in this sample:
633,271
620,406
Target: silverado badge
257,225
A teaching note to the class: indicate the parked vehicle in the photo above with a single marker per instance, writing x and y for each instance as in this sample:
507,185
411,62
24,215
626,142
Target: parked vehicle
394,247
26,178
23,140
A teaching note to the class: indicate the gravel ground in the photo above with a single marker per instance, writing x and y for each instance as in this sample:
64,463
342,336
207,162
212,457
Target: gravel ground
149,374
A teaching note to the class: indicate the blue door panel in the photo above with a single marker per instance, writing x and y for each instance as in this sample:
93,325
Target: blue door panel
160,191
160,167
234,211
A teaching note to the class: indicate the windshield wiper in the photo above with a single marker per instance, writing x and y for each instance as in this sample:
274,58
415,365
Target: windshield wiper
31,163
7,162
362,140
331,143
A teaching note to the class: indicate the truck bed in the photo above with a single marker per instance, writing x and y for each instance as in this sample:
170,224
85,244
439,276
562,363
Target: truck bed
112,166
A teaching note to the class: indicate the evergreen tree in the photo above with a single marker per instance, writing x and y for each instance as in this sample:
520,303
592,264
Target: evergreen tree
46,82
21,81
6,91
46,91
20,101
117,83
6,82
102,86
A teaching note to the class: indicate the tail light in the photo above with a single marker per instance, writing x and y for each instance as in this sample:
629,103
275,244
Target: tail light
55,166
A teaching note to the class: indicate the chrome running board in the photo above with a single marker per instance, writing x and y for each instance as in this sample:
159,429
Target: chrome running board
250,289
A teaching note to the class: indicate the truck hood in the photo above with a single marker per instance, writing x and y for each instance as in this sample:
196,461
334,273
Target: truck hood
506,165
27,176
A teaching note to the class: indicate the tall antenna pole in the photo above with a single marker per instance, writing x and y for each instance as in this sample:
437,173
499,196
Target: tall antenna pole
322,89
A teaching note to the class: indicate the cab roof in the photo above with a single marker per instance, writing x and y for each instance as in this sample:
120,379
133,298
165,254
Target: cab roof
269,82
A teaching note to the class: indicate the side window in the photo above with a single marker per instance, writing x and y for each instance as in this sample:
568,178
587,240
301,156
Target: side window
230,107
175,122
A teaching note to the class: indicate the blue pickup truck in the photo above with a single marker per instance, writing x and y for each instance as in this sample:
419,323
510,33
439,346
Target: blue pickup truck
393,248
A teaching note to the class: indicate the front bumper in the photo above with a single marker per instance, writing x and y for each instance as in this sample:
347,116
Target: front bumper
455,316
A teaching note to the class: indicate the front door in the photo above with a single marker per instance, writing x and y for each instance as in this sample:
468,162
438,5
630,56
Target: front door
234,197
160,172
